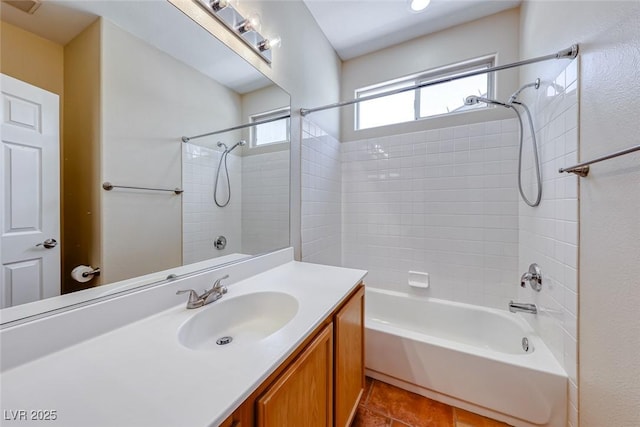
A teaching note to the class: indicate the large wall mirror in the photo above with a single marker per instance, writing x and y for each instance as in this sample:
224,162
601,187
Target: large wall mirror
98,92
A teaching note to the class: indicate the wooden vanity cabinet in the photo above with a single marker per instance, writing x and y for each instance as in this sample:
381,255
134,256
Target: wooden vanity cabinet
349,358
303,394
321,383
231,422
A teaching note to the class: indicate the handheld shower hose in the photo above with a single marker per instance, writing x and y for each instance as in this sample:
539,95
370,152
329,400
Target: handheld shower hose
472,100
223,158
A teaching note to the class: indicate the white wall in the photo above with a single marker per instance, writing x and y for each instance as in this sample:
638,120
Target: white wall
306,66
255,221
442,201
265,179
149,100
203,220
321,196
549,232
260,101
495,34
609,296
265,201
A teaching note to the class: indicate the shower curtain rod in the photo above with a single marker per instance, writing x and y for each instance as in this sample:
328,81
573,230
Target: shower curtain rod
246,125
570,52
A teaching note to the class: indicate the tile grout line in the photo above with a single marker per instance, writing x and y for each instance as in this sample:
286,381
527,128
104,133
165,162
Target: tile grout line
389,419
375,410
369,391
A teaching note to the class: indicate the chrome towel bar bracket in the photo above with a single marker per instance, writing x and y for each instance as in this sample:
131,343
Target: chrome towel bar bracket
582,169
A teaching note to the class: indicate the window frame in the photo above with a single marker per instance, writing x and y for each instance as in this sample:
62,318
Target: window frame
487,61
264,115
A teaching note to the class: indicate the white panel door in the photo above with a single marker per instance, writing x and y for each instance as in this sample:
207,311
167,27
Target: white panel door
29,193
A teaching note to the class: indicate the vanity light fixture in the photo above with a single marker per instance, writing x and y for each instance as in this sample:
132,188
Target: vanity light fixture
246,28
418,5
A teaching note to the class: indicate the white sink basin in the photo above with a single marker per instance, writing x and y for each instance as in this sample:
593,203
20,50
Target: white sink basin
246,319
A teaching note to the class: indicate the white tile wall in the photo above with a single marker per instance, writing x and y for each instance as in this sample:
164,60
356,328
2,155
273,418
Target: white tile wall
549,233
441,201
265,202
445,201
202,220
321,196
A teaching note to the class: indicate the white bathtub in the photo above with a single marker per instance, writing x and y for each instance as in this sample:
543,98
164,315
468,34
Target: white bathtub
466,356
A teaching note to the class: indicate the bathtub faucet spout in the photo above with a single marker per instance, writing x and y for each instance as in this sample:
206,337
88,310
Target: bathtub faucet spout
515,307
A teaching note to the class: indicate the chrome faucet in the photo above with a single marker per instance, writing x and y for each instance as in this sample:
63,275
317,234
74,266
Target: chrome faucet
533,276
213,294
515,307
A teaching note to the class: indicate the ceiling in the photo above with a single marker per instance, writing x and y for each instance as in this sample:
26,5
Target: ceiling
62,20
358,27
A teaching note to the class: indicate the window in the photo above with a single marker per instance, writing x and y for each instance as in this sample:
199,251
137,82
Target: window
443,98
274,132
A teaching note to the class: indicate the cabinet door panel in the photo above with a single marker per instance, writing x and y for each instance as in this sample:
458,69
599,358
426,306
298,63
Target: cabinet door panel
303,394
349,342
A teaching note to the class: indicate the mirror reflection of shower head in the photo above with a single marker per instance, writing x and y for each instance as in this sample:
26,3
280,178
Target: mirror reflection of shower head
515,94
241,143
473,100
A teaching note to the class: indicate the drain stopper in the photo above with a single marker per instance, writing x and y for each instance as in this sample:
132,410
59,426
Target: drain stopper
224,340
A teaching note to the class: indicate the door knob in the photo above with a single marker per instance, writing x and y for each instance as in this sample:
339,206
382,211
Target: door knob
48,244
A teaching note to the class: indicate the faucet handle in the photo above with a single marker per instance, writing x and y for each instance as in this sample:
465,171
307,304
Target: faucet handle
216,284
533,276
193,295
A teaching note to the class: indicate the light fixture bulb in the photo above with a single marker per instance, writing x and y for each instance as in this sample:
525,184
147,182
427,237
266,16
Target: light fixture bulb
419,5
250,23
275,42
270,43
218,5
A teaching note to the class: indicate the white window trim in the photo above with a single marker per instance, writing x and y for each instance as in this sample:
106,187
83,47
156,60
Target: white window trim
266,115
433,74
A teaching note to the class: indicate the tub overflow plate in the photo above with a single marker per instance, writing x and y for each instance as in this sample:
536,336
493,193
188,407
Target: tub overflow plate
525,344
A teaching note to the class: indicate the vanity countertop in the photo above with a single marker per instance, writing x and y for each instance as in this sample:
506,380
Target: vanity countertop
140,374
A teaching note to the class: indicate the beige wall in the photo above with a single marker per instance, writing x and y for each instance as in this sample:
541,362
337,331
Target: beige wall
81,192
609,271
32,59
495,34
260,101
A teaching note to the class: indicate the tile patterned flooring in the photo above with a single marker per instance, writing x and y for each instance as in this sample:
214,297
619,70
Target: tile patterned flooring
384,405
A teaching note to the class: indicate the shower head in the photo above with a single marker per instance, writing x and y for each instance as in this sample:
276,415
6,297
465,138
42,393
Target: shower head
515,94
473,100
240,143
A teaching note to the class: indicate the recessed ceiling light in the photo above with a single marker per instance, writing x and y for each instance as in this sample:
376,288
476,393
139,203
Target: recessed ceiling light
418,5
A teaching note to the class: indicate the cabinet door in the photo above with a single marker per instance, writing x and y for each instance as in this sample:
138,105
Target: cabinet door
349,342
231,422
303,394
